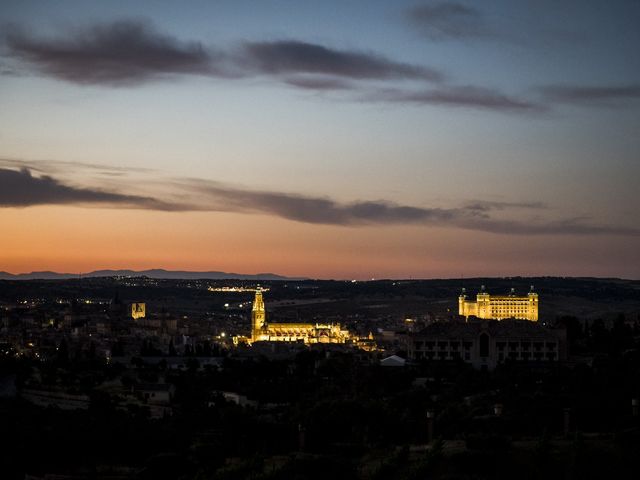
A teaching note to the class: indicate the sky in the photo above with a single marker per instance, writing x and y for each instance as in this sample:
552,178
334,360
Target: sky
335,139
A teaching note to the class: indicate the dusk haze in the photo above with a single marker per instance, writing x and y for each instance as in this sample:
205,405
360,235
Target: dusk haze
345,140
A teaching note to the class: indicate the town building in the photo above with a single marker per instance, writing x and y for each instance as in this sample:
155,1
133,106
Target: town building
486,344
494,307
137,310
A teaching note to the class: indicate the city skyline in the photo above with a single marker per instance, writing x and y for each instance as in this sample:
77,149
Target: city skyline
392,140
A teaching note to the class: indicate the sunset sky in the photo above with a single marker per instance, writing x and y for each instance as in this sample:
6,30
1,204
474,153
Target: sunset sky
334,139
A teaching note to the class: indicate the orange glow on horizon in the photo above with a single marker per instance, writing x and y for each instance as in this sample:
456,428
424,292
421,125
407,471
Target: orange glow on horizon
76,240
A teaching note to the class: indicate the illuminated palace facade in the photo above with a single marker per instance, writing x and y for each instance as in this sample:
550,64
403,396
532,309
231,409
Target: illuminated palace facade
493,307
263,331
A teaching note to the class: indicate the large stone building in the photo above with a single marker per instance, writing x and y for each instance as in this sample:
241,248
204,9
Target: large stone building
486,344
493,307
137,310
264,331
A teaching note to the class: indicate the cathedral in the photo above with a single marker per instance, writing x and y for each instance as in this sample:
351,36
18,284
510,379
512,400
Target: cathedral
264,331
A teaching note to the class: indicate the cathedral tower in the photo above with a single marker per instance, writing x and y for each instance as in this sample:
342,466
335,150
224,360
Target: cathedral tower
258,316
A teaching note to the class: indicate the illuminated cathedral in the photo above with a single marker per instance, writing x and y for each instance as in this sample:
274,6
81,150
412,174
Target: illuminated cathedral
264,331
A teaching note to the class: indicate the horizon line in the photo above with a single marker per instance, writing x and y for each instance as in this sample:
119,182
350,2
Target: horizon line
286,277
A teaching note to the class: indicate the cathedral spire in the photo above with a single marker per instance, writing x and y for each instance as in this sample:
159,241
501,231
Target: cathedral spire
258,315
258,303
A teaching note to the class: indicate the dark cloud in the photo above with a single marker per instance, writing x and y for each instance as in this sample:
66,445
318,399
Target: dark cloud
319,210
448,20
559,227
319,83
290,56
487,206
19,188
580,94
131,52
61,166
467,96
123,52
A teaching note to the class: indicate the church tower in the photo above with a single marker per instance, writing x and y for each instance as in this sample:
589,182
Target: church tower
258,316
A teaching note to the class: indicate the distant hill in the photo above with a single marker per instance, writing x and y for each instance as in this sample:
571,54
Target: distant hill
157,273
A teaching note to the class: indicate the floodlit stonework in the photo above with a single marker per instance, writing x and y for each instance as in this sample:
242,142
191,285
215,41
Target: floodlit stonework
263,331
494,307
138,310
